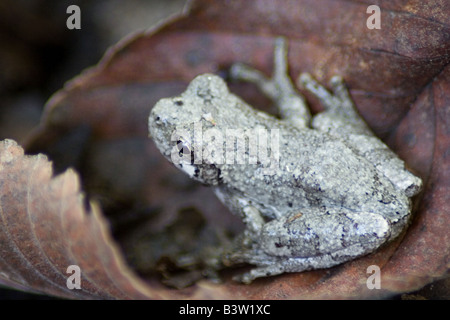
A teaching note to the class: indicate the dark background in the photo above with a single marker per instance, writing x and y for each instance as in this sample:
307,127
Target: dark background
38,54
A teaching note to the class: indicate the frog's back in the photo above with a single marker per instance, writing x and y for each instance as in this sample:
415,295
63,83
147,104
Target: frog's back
314,170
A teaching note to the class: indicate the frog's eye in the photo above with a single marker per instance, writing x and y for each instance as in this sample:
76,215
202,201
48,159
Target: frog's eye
185,150
179,103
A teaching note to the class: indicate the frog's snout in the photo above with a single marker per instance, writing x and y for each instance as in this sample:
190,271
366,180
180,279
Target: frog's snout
155,118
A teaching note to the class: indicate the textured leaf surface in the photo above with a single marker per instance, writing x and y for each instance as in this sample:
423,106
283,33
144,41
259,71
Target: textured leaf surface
45,228
398,76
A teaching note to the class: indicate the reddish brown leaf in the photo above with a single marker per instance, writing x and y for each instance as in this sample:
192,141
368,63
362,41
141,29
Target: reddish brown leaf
45,228
398,76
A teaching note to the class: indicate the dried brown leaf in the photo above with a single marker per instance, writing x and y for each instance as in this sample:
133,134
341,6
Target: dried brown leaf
45,228
398,76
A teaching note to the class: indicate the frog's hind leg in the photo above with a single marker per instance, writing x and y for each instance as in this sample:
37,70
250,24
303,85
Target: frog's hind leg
340,116
279,88
341,119
312,240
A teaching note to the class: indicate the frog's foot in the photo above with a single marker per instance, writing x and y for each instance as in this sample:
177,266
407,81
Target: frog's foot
260,272
285,245
340,115
266,265
339,100
341,119
279,88
273,266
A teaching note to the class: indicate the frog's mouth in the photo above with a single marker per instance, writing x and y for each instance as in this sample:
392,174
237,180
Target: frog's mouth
190,169
207,174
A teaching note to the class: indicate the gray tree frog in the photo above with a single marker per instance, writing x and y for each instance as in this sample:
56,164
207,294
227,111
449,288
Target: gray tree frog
337,192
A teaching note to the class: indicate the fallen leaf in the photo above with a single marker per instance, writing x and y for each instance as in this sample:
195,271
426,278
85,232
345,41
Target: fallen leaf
398,77
45,227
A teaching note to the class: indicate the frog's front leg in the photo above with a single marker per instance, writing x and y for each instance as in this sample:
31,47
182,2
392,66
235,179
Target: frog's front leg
279,88
342,120
242,207
312,239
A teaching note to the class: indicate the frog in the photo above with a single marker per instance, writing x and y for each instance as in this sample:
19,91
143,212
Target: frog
334,192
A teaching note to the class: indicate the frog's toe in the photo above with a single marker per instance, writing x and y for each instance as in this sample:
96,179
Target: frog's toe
304,79
259,272
243,278
336,81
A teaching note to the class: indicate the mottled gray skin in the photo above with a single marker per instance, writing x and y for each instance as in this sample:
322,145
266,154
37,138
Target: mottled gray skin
338,192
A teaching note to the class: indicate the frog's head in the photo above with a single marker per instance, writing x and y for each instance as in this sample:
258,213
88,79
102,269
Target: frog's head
177,124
